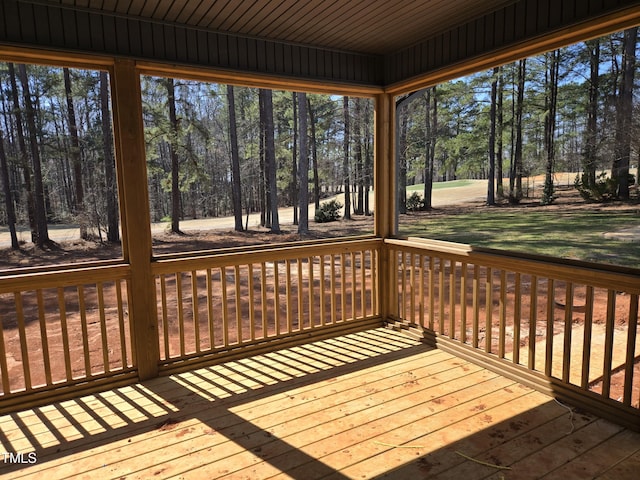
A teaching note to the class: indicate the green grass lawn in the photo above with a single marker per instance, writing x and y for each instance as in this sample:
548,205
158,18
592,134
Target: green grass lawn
575,234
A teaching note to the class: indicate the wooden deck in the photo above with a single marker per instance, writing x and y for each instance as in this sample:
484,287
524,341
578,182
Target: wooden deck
374,404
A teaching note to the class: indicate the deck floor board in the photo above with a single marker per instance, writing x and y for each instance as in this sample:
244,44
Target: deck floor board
374,404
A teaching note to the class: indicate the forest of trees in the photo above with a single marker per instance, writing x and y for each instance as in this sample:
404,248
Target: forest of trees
56,152
569,110
212,151
227,151
218,150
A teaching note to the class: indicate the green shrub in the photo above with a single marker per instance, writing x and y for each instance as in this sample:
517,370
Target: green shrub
328,211
415,202
604,189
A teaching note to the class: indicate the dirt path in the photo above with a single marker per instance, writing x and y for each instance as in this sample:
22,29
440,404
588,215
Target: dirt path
474,191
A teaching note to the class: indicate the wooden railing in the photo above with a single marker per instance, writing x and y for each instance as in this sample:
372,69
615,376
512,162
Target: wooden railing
62,329
218,303
567,328
68,330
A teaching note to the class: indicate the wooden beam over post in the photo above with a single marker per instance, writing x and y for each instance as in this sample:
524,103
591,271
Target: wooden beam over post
136,219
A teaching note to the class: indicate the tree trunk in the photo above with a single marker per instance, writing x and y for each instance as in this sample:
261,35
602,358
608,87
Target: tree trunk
345,159
173,154
499,132
624,115
113,219
270,166
303,226
430,142
515,195
74,153
402,159
590,158
359,180
551,101
24,157
314,155
368,159
236,192
42,229
8,197
491,196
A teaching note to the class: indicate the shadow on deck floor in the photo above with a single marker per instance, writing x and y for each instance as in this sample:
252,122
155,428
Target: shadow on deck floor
373,404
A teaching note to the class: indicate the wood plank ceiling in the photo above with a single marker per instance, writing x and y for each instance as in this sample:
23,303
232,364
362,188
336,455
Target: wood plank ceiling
395,44
364,26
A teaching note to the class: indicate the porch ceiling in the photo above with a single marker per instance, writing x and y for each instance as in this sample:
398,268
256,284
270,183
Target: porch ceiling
399,45
364,26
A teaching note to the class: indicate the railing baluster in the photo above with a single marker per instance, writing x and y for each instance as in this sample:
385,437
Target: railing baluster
463,302
631,347
179,302
323,297
263,300
533,322
586,341
132,343
375,286
238,302
65,332
432,299
165,316
276,296
332,281
548,362
452,298
311,288
83,327
517,313
441,301
210,317
44,338
343,286
22,334
195,309
412,290
123,339
354,288
103,329
4,367
488,310
476,305
225,307
502,315
568,317
608,343
289,297
300,295
252,309
422,321
403,286
363,285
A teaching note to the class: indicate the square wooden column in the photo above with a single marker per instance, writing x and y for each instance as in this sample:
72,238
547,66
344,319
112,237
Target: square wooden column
385,191
136,218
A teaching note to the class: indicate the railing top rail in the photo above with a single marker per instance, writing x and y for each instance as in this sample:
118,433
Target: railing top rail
63,278
244,257
597,275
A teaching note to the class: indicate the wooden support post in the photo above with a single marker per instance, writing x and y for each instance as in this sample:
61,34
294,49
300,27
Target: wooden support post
385,192
136,219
